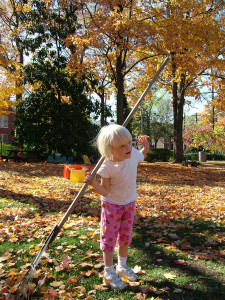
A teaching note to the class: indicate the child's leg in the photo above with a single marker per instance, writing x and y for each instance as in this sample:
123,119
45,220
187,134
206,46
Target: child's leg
110,277
122,256
123,251
108,262
126,227
124,240
109,231
108,258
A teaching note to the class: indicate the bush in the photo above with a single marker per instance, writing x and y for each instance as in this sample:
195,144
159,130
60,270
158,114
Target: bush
154,155
191,156
210,156
4,148
215,156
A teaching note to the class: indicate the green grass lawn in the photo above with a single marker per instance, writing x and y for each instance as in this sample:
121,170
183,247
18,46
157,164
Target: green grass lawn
176,256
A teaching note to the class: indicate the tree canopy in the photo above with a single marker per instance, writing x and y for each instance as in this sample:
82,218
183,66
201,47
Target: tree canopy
56,111
206,130
109,45
11,57
128,39
120,43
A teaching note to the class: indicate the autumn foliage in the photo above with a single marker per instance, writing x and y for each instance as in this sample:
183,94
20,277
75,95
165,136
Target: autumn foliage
207,131
179,209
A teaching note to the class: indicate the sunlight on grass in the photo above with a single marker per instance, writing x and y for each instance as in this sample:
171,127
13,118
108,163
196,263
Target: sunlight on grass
178,239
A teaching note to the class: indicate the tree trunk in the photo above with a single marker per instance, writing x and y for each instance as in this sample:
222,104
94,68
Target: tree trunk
19,81
178,107
102,97
120,90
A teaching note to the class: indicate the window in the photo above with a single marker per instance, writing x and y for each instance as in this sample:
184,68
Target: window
4,122
4,138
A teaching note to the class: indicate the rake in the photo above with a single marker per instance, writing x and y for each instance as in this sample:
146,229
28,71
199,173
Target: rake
21,292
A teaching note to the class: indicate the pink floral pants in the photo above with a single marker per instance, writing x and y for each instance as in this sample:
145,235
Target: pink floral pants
116,225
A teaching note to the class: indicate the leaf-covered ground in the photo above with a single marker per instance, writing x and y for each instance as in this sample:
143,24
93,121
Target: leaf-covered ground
178,246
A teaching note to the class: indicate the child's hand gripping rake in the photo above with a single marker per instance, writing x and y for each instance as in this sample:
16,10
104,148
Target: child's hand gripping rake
21,293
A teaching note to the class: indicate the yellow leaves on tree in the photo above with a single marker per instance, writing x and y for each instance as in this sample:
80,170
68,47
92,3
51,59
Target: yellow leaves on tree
124,42
9,87
11,57
109,45
219,100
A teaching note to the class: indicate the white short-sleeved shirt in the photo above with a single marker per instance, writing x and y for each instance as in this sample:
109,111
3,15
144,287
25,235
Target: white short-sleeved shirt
122,178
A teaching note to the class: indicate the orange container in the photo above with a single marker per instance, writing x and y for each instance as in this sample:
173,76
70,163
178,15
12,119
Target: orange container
69,168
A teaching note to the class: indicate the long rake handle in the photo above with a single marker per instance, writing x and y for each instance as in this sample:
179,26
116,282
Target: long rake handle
58,227
135,108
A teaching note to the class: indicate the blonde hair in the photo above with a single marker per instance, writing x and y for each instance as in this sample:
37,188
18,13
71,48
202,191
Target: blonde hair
111,136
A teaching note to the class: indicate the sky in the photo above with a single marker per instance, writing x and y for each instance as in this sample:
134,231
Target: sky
189,109
195,107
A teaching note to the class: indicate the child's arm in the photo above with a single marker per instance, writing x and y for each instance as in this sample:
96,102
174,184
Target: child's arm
143,140
102,188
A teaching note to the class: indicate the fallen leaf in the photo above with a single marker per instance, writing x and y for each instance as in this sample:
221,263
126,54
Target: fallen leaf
98,266
100,287
41,280
86,265
88,273
170,276
4,258
180,262
138,270
140,296
177,291
56,283
72,280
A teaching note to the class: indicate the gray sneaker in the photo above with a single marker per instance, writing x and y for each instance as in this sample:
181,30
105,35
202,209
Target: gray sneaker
126,272
114,281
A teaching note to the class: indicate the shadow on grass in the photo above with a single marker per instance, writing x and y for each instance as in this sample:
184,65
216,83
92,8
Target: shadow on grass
176,175
158,173
48,204
42,170
194,279
40,202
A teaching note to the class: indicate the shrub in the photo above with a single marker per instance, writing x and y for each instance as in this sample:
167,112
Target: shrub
191,156
154,155
4,148
210,156
215,156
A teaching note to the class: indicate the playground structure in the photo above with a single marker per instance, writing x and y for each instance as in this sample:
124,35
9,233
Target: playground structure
62,159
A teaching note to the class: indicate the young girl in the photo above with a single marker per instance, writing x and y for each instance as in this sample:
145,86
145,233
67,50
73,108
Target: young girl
118,193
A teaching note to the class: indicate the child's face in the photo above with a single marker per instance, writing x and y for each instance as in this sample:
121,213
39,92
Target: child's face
122,151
